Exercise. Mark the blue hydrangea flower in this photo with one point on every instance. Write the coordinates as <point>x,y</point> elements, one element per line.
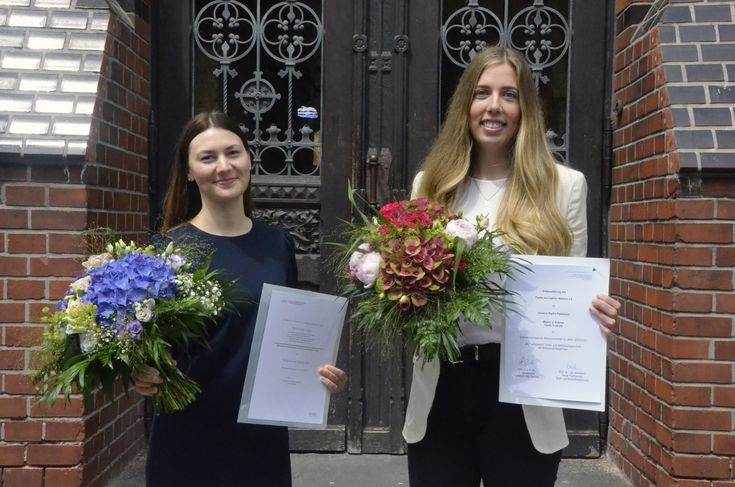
<point>133,278</point>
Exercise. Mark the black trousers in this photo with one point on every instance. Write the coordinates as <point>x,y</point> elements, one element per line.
<point>471,436</point>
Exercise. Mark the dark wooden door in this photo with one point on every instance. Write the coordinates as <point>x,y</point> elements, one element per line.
<point>336,90</point>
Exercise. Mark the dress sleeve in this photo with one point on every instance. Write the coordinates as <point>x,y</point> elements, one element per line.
<point>292,272</point>
<point>577,215</point>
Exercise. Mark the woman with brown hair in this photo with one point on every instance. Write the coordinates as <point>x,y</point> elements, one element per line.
<point>491,158</point>
<point>210,201</point>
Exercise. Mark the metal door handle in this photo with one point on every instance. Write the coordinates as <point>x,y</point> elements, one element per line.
<point>377,175</point>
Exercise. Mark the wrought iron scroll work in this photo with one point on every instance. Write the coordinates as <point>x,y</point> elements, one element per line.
<point>302,224</point>
<point>289,33</point>
<point>538,31</point>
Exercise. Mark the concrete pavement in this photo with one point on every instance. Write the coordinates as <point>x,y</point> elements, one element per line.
<point>343,470</point>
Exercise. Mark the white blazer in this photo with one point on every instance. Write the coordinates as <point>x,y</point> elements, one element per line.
<point>545,424</point>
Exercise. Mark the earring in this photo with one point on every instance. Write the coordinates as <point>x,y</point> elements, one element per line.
<point>190,179</point>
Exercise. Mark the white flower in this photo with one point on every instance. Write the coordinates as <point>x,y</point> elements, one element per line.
<point>87,342</point>
<point>367,271</point>
<point>463,229</point>
<point>365,265</point>
<point>143,314</point>
<point>358,256</point>
<point>74,303</point>
<point>175,262</point>
<point>95,261</point>
<point>81,285</point>
<point>144,310</point>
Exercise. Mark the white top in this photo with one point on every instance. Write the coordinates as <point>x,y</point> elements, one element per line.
<point>481,197</point>
<point>545,424</point>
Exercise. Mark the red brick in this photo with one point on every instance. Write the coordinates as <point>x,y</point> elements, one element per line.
<point>704,233</point>
<point>58,220</point>
<point>23,477</point>
<point>58,455</point>
<point>74,409</point>
<point>23,336</point>
<point>700,467</point>
<point>726,209</point>
<point>724,444</point>
<point>725,350</point>
<point>63,477</point>
<point>11,455</point>
<point>704,279</point>
<point>13,218</point>
<point>69,197</point>
<point>13,266</point>
<point>682,348</point>
<point>692,442</point>
<point>706,326</point>
<point>725,303</point>
<point>701,419</point>
<point>22,431</point>
<point>19,384</point>
<point>25,243</point>
<point>686,302</point>
<point>11,359</point>
<point>13,407</point>
<point>719,373</point>
<point>58,288</point>
<point>64,431</point>
<point>12,312</point>
<point>66,243</point>
<point>55,266</point>
<point>26,289</point>
<point>691,209</point>
<point>35,310</point>
<point>725,257</point>
<point>23,195</point>
<point>724,397</point>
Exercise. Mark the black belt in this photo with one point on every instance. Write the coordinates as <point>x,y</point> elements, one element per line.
<point>480,353</point>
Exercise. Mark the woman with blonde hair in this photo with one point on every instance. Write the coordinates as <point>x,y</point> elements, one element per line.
<point>491,157</point>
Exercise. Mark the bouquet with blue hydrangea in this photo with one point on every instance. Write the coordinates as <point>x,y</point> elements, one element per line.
<point>132,306</point>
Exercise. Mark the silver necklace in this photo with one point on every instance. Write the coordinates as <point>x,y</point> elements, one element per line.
<point>488,200</point>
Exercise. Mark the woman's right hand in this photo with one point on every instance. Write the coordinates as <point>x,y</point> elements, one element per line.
<point>146,380</point>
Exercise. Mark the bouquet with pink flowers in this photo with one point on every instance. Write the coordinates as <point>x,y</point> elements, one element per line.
<point>416,269</point>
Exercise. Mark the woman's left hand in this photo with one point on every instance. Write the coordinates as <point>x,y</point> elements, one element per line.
<point>605,309</point>
<point>333,378</point>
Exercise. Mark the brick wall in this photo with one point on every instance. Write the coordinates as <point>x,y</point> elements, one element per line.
<point>45,202</point>
<point>671,243</point>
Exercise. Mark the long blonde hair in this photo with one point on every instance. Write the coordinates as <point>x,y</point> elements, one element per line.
<point>528,214</point>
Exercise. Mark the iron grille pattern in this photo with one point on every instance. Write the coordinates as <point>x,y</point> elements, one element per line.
<point>277,41</point>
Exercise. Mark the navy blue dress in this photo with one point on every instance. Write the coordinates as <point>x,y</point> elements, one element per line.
<point>204,445</point>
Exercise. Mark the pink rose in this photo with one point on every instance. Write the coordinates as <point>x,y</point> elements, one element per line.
<point>463,229</point>
<point>365,265</point>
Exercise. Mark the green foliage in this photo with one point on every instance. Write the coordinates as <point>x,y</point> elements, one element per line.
<point>472,293</point>
<point>176,324</point>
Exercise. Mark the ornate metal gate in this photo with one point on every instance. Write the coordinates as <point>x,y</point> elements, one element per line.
<point>331,90</point>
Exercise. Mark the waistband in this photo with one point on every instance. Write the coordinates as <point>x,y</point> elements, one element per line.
<point>480,353</point>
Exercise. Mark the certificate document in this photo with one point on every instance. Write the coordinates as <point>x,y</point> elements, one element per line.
<point>554,353</point>
<point>296,332</point>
